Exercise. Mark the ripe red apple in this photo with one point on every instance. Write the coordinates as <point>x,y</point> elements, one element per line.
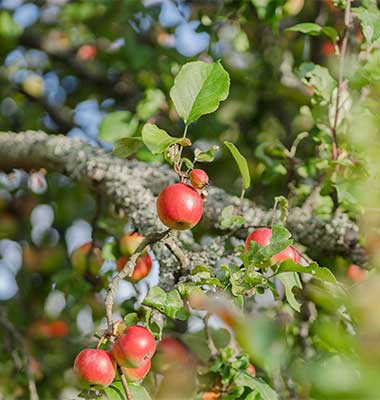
<point>179,206</point>
<point>129,243</point>
<point>355,273</point>
<point>79,259</point>
<point>328,48</point>
<point>262,236</point>
<point>86,52</point>
<point>136,374</point>
<point>170,354</point>
<point>142,267</point>
<point>58,328</point>
<point>95,366</point>
<point>198,178</point>
<point>135,346</point>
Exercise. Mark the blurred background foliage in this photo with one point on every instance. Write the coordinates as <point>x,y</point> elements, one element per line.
<point>68,66</point>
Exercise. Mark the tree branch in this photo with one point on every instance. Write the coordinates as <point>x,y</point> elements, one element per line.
<point>133,186</point>
<point>342,53</point>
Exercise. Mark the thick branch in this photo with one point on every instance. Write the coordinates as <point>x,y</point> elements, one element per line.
<point>133,186</point>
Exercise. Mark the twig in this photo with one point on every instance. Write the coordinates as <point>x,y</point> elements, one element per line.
<point>128,271</point>
<point>177,252</point>
<point>18,337</point>
<point>125,384</point>
<point>342,53</point>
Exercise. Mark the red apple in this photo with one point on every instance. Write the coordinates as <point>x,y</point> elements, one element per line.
<point>135,346</point>
<point>262,236</point>
<point>142,267</point>
<point>170,353</point>
<point>198,178</point>
<point>328,48</point>
<point>355,273</point>
<point>86,52</point>
<point>129,243</point>
<point>58,328</point>
<point>179,206</point>
<point>95,366</point>
<point>136,374</point>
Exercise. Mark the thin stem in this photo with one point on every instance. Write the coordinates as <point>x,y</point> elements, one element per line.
<point>125,384</point>
<point>128,271</point>
<point>210,341</point>
<point>342,53</point>
<point>178,164</point>
<point>28,358</point>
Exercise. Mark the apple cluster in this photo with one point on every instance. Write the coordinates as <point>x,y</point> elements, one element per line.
<point>180,206</point>
<point>132,351</point>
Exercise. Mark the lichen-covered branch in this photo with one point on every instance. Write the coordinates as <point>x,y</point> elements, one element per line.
<point>133,186</point>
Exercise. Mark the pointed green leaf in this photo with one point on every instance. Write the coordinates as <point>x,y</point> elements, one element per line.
<point>321,273</point>
<point>291,280</point>
<point>124,147</point>
<point>241,162</point>
<point>198,89</point>
<point>157,140</point>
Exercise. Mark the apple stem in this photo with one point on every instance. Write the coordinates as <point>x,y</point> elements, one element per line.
<point>125,384</point>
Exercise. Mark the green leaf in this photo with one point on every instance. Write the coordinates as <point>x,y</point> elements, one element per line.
<point>116,392</point>
<point>370,21</point>
<point>310,28</point>
<point>156,298</point>
<point>229,220</point>
<point>319,78</point>
<point>150,104</point>
<point>131,319</point>
<point>124,147</point>
<point>198,89</point>
<point>117,125</point>
<point>221,337</point>
<point>306,27</point>
<point>157,140</point>
<point>291,280</point>
<point>173,304</point>
<point>205,156</point>
<point>266,392</point>
<point>242,164</point>
<point>321,273</point>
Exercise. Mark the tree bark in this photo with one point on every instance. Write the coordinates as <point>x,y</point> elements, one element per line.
<point>133,186</point>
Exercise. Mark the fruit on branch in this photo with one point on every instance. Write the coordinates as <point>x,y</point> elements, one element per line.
<point>79,259</point>
<point>95,366</point>
<point>129,243</point>
<point>136,374</point>
<point>355,273</point>
<point>170,354</point>
<point>262,236</point>
<point>134,347</point>
<point>141,270</point>
<point>179,206</point>
<point>119,327</point>
<point>198,178</point>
